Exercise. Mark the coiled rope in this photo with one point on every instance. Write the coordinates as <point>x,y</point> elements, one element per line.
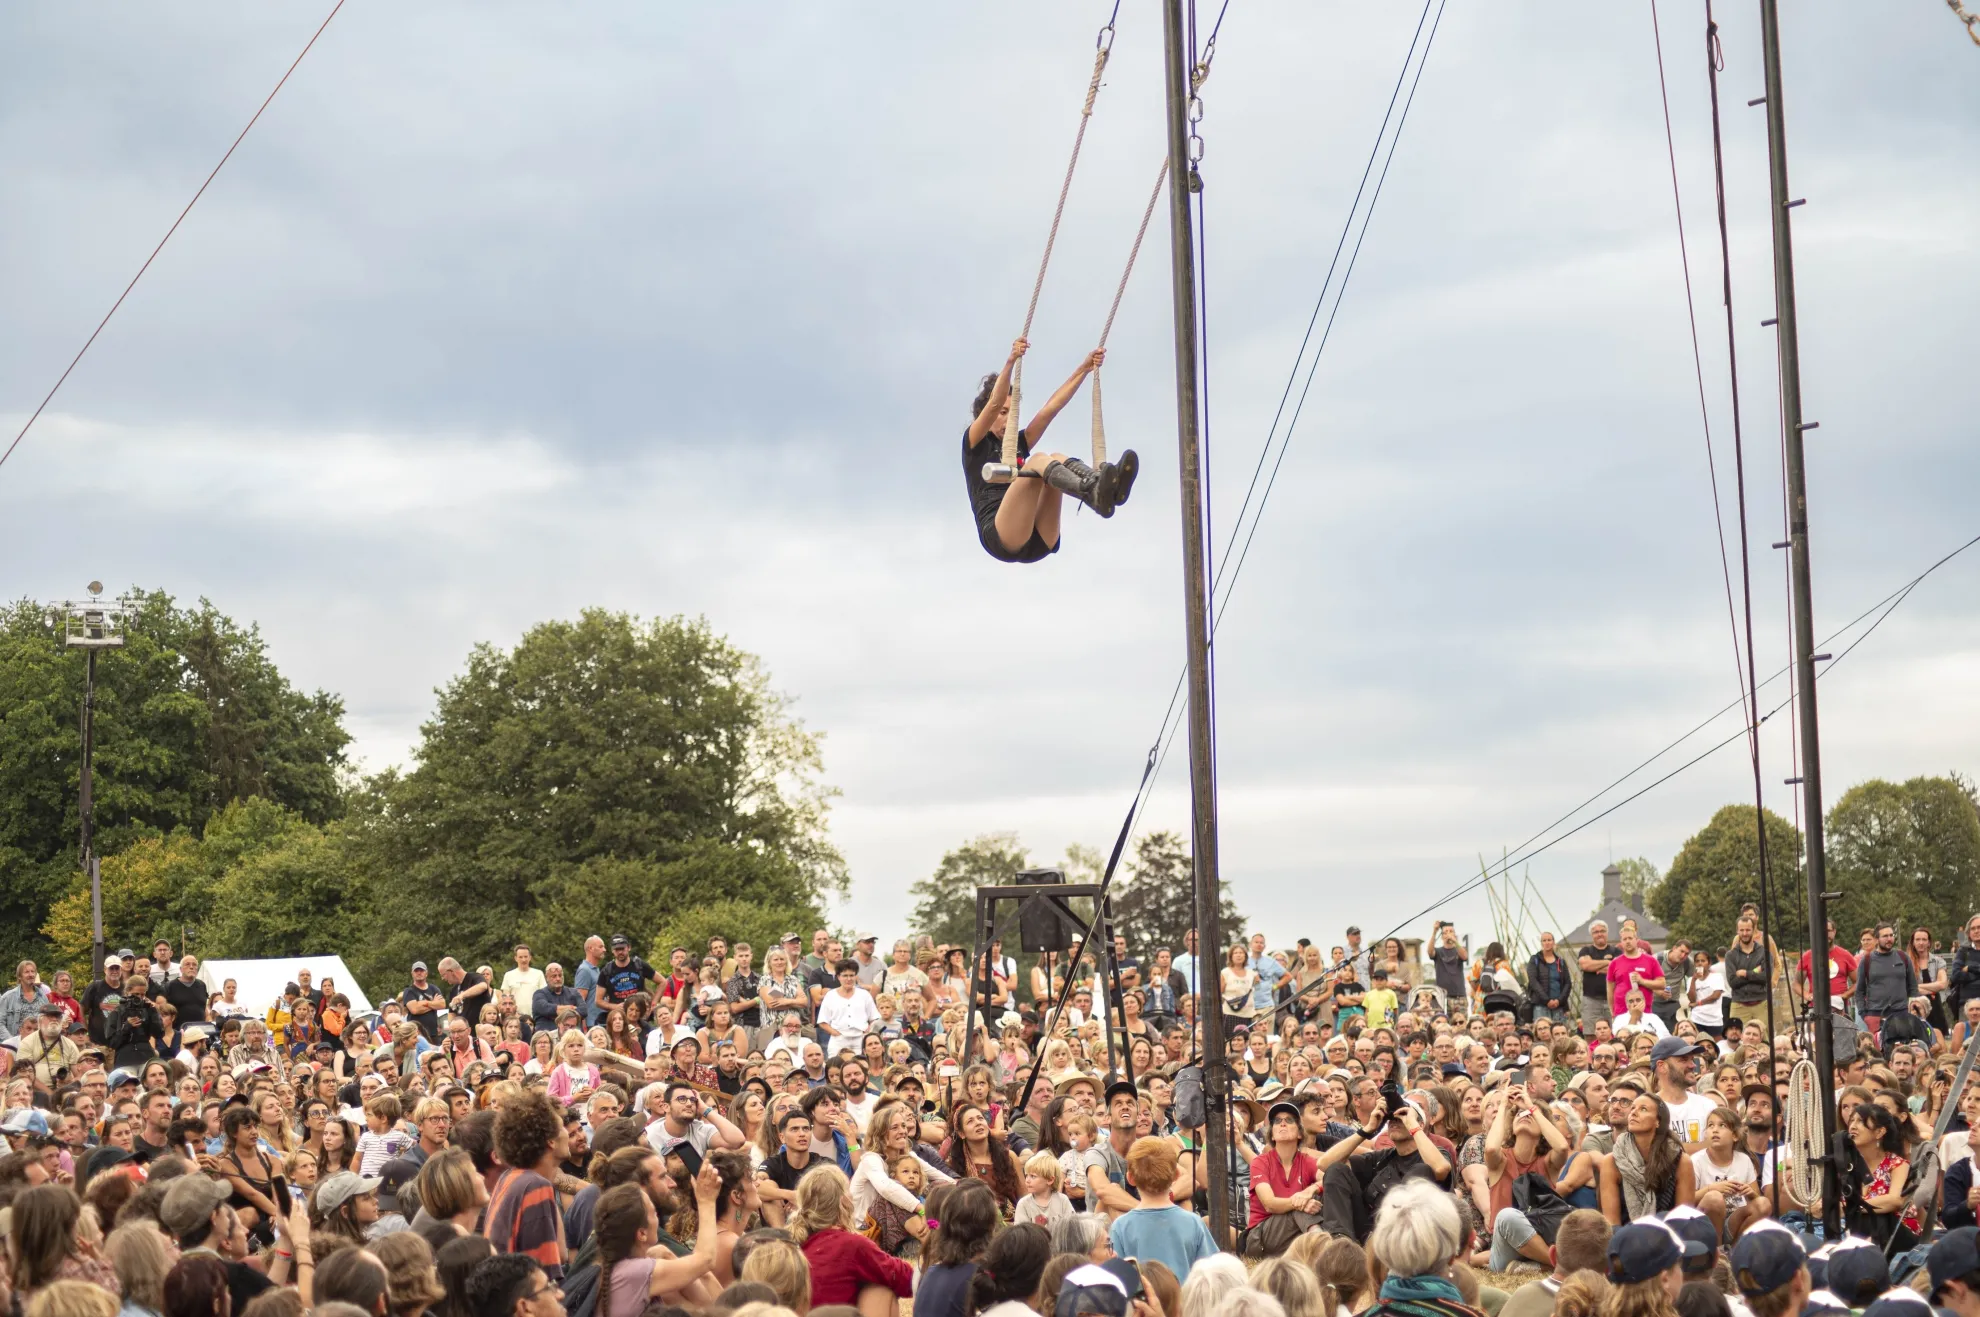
<point>1804,1133</point>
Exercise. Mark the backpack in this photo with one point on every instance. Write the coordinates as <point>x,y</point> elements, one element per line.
<point>1191,1111</point>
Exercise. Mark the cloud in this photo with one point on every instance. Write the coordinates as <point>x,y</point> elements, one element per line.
<point>503,312</point>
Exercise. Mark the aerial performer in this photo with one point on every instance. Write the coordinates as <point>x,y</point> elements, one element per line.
<point>1018,520</point>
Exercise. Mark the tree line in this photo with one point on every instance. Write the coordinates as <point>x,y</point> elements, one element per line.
<point>604,774</point>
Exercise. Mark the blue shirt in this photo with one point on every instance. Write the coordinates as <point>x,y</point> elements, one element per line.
<point>586,982</point>
<point>1269,972</point>
<point>1171,1235</point>
<point>1185,965</point>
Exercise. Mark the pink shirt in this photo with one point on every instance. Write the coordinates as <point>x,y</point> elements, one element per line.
<point>1643,964</point>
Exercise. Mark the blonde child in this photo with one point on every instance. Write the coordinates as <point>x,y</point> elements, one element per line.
<point>382,1139</point>
<point>1043,1204</point>
<point>901,1230</point>
<point>1082,1132</point>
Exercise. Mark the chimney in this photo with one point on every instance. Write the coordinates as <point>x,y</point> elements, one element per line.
<point>1611,885</point>
<point>1636,903</point>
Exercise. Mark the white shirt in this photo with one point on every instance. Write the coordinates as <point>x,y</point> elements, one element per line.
<point>1704,1172</point>
<point>522,985</point>
<point>1688,1120</point>
<point>849,1016</point>
<point>870,1182</point>
<point>1712,1013</point>
<point>1649,1024</point>
<point>790,1046</point>
<point>861,1110</point>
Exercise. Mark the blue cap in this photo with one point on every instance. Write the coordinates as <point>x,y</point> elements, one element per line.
<point>1857,1272</point>
<point>1767,1257</point>
<point>1818,1267</point>
<point>1695,1229</point>
<point>1643,1250</point>
<point>1666,1048</point>
<point>121,1076</point>
<point>1900,1303</point>
<point>1821,1303</point>
<point>1957,1254</point>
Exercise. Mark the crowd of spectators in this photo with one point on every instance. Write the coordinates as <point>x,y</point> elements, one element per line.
<point>822,1129</point>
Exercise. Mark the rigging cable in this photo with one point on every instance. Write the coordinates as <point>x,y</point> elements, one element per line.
<point>77,359</point>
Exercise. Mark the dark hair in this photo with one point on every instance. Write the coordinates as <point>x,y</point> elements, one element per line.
<point>984,388</point>
<point>453,1262</point>
<point>610,1139</point>
<point>196,1286</point>
<point>1003,1177</point>
<point>1701,1298</point>
<point>1890,1135</point>
<point>742,1292</point>
<point>1011,1267</point>
<point>968,1219</point>
<point>496,1283</point>
<point>351,1275</point>
<point>474,1134</point>
<point>525,1129</point>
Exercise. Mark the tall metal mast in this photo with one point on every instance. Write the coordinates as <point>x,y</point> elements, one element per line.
<point>1196,602</point>
<point>1789,349</point>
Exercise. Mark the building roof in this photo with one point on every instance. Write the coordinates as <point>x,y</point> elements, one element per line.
<point>1614,910</point>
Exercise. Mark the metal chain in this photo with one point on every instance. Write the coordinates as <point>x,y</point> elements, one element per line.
<point>1968,17</point>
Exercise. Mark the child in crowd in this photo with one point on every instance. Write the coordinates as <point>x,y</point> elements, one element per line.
<point>1082,1132</point>
<point>1727,1182</point>
<point>1043,1204</point>
<point>900,1230</point>
<point>382,1139</point>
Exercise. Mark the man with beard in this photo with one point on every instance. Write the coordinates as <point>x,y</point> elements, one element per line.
<point>1758,1140</point>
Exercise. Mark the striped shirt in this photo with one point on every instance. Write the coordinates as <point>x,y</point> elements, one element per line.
<point>523,1218</point>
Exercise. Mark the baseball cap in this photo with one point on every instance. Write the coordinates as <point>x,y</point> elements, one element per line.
<point>1353,929</point>
<point>621,940</point>
<point>1666,1048</point>
<point>1091,1289</point>
<point>191,1200</point>
<point>867,937</point>
<point>120,1077</point>
<point>391,1176</point>
<point>419,967</point>
<point>1900,1302</point>
<point>1644,1249</point>
<point>1767,1257</point>
<point>1954,1257</point>
<point>333,1191</point>
<point>127,954</point>
<point>1857,1273</point>
<point>1693,1226</point>
<point>1120,1086</point>
<point>51,1008</point>
<point>1272,1113</point>
<point>24,1120</point>
<point>790,937</point>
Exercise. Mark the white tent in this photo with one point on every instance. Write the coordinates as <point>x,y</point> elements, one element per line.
<point>258,984</point>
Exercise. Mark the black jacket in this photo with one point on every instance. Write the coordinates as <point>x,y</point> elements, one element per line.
<point>135,1032</point>
<point>1545,983</point>
<point>1963,981</point>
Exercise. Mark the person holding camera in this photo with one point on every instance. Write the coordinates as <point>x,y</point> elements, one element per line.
<point>135,1031</point>
<point>1401,1149</point>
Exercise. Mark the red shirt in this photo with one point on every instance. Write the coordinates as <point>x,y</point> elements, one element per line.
<point>1842,971</point>
<point>842,1263</point>
<point>1283,1180</point>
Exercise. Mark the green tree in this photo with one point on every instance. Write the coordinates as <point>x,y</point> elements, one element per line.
<point>1718,869</point>
<point>738,921</point>
<point>1909,853</point>
<point>945,901</point>
<point>191,714</point>
<point>606,773</point>
<point>1638,877</point>
<point>1154,901</point>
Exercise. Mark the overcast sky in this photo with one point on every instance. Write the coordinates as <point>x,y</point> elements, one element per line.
<point>503,311</point>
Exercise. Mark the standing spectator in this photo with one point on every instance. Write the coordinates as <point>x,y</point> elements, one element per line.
<point>1932,975</point>
<point>1547,982</point>
<point>1633,966</point>
<point>468,991</point>
<point>1675,966</point>
<point>1448,959</point>
<point>1594,961</point>
<point>871,968</point>
<point>100,997</point>
<point>187,994</point>
<point>1188,968</point>
<point>1842,974</point>
<point>744,991</point>
<point>1357,959</point>
<point>1748,971</point>
<point>1705,995</point>
<point>585,980</point>
<point>21,1004</point>
<point>624,974</point>
<point>554,996</point>
<point>524,981</point>
<point>1885,982</point>
<point>424,1003</point>
<point>846,1011</point>
<point>1265,965</point>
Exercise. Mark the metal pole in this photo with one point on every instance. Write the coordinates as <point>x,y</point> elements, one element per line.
<point>1196,602</point>
<point>1788,347</point>
<point>88,809</point>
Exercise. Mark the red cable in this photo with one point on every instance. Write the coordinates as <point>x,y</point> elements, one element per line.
<point>162,241</point>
